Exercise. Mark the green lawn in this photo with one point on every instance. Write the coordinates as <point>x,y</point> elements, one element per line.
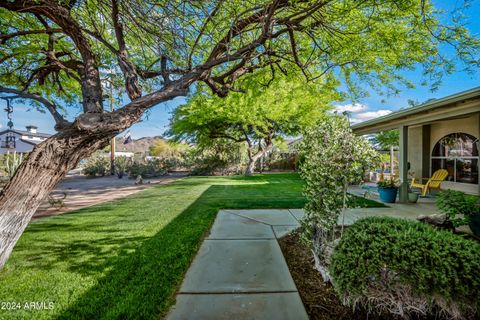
<point>125,259</point>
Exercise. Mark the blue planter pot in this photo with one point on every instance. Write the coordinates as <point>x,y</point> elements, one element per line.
<point>388,195</point>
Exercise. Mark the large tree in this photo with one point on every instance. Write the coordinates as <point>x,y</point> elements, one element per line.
<point>260,113</point>
<point>56,53</point>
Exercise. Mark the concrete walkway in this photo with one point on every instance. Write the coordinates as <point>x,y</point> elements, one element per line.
<point>239,271</point>
<point>410,211</point>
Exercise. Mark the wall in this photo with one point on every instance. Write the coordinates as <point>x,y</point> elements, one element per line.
<point>20,146</point>
<point>438,130</point>
<point>470,125</point>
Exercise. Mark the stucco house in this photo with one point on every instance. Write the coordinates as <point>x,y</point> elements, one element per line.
<point>21,140</point>
<point>439,134</point>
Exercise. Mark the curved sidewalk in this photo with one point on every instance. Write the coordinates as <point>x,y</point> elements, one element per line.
<point>240,272</point>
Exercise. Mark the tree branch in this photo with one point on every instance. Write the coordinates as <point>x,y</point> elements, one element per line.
<point>91,86</point>
<point>6,36</point>
<point>202,30</point>
<point>130,74</point>
<point>60,122</point>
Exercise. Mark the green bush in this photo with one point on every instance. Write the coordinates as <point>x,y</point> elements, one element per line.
<point>388,184</point>
<point>218,159</point>
<point>282,161</point>
<point>458,206</point>
<point>149,169</point>
<point>97,165</point>
<point>121,166</point>
<point>405,267</point>
<point>206,165</point>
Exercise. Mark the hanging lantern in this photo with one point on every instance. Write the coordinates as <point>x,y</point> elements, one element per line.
<point>9,110</point>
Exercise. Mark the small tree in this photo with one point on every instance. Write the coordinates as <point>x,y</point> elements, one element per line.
<point>386,139</point>
<point>256,117</point>
<point>168,149</point>
<point>332,158</point>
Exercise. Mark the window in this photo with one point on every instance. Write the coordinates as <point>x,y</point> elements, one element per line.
<point>458,154</point>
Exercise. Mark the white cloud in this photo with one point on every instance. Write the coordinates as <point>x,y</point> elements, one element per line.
<point>358,112</point>
<point>355,107</point>
<point>364,116</point>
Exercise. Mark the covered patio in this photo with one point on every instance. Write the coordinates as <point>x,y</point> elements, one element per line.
<point>439,134</point>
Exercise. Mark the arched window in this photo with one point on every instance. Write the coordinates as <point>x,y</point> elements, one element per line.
<point>458,154</point>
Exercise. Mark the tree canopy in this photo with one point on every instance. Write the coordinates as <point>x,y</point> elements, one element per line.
<point>386,139</point>
<point>166,148</point>
<point>257,115</point>
<point>57,52</point>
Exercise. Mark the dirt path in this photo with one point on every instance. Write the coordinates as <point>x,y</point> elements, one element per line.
<point>83,192</point>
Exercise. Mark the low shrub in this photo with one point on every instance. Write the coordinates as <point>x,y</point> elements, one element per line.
<point>149,169</point>
<point>284,161</point>
<point>408,269</point>
<point>458,206</point>
<point>172,163</point>
<point>96,165</point>
<point>218,159</point>
<point>121,166</point>
<point>215,165</point>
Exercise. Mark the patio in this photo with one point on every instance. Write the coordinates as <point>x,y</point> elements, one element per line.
<point>438,134</point>
<point>411,211</point>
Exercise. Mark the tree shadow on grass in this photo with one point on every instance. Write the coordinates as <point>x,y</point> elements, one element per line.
<point>141,284</point>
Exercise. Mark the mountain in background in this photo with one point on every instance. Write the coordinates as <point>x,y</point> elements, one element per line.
<point>137,146</point>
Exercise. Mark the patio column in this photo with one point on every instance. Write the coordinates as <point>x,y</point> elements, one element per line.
<point>403,164</point>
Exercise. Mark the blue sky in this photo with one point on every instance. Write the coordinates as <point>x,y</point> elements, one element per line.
<point>156,121</point>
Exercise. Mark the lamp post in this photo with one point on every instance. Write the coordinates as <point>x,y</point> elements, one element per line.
<point>109,87</point>
<point>112,142</point>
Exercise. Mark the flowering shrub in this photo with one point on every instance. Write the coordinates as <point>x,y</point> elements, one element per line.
<point>332,157</point>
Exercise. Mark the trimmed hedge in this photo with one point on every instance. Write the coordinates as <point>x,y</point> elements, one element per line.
<point>383,254</point>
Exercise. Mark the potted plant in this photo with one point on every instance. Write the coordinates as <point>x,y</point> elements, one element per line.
<point>387,190</point>
<point>412,196</point>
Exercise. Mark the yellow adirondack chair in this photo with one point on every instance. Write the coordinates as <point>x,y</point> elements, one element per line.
<point>433,183</point>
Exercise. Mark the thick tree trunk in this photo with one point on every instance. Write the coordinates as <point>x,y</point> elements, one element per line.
<point>46,165</point>
<point>253,158</point>
<point>250,167</point>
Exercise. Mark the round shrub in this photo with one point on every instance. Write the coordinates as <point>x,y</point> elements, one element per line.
<point>97,165</point>
<point>407,268</point>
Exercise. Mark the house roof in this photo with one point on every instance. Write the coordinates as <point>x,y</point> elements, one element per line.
<point>27,133</point>
<point>32,142</point>
<point>456,105</point>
